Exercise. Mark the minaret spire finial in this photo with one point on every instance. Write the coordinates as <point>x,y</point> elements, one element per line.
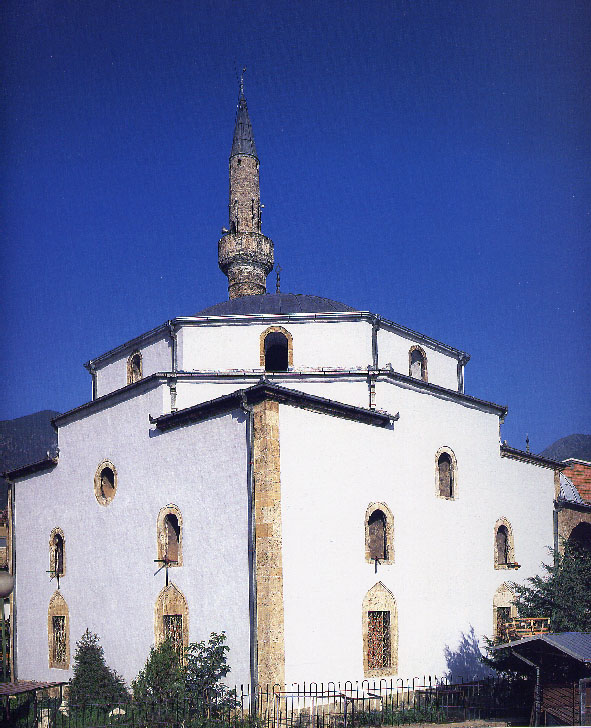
<point>245,255</point>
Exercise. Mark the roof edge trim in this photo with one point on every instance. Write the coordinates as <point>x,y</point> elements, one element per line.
<point>515,454</point>
<point>265,390</point>
<point>37,466</point>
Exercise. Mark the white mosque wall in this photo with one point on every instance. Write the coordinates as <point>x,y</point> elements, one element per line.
<point>443,575</point>
<point>156,357</point>
<point>394,349</point>
<point>110,584</point>
<point>316,344</point>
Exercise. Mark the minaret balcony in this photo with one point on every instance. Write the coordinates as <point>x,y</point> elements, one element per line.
<point>245,247</point>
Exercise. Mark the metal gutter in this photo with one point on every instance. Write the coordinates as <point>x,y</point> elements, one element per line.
<point>131,344</point>
<point>118,394</point>
<point>515,454</point>
<point>36,467</point>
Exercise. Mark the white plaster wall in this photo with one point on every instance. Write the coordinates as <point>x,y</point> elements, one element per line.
<point>393,348</point>
<point>315,344</point>
<point>110,586</point>
<point>443,577</point>
<point>156,357</point>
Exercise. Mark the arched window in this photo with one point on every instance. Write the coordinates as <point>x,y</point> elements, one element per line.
<point>503,610</point>
<point>105,482</point>
<point>57,560</point>
<point>171,619</point>
<point>446,473</point>
<point>380,632</point>
<point>169,527</point>
<point>379,534</point>
<point>58,632</point>
<point>581,536</point>
<point>276,349</point>
<point>134,367</point>
<point>417,363</point>
<point>504,551</point>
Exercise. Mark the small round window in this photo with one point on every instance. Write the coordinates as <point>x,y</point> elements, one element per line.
<point>105,483</point>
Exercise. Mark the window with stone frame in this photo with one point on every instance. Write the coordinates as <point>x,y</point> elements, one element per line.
<point>58,632</point>
<point>379,534</point>
<point>134,367</point>
<point>380,632</point>
<point>504,609</point>
<point>276,349</point>
<point>446,472</point>
<point>170,535</point>
<point>417,363</point>
<point>171,619</point>
<point>504,550</point>
<point>105,482</point>
<point>379,653</point>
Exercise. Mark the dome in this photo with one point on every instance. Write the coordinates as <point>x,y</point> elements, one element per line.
<point>274,303</point>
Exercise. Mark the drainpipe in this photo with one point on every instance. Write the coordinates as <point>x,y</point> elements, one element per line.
<point>374,341</point>
<point>12,570</point>
<point>537,695</point>
<point>173,334</point>
<point>92,371</point>
<point>555,529</point>
<point>252,584</point>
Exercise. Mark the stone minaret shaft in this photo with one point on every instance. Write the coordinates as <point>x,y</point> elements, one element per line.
<point>245,255</point>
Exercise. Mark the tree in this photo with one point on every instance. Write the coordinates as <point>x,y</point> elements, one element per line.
<point>563,593</point>
<point>207,666</point>
<point>93,680</point>
<point>162,678</point>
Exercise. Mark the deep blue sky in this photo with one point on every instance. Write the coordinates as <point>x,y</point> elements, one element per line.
<point>426,160</point>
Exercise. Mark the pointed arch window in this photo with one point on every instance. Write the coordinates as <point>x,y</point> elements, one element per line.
<point>58,632</point>
<point>446,472</point>
<point>134,367</point>
<point>504,610</point>
<point>380,632</point>
<point>504,550</point>
<point>170,536</point>
<point>417,363</point>
<point>379,534</point>
<point>276,348</point>
<point>171,619</point>
<point>57,555</point>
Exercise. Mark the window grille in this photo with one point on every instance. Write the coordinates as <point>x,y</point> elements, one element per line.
<point>173,631</point>
<point>503,617</point>
<point>59,640</point>
<point>378,643</point>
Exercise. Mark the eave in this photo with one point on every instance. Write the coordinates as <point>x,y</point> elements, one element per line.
<point>528,457</point>
<point>31,468</point>
<point>276,393</point>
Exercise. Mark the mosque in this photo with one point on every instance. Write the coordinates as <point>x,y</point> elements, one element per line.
<point>310,478</point>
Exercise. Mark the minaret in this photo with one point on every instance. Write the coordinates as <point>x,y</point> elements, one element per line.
<point>244,254</point>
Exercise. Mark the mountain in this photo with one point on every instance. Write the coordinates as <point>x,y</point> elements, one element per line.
<point>24,440</point>
<point>571,446</point>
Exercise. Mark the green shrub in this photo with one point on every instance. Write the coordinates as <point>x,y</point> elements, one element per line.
<point>94,681</point>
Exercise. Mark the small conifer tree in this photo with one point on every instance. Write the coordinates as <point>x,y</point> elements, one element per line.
<point>94,681</point>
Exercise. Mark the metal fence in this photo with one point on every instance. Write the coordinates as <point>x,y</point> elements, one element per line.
<point>309,705</point>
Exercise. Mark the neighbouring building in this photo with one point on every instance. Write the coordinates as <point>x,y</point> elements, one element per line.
<point>310,478</point>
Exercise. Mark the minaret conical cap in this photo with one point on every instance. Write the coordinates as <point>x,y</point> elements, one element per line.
<point>243,142</point>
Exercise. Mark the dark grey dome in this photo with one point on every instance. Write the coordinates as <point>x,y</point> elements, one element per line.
<point>274,303</point>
